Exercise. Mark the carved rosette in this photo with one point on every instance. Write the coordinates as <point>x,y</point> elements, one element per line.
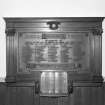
<point>97,31</point>
<point>10,32</point>
<point>53,25</point>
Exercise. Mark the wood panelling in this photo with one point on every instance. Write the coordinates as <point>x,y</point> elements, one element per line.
<point>20,88</point>
<point>46,19</point>
<point>11,96</point>
<point>20,96</point>
<point>98,49</point>
<point>10,56</point>
<point>103,91</point>
<point>48,101</point>
<point>25,95</point>
<point>3,92</point>
<point>45,25</point>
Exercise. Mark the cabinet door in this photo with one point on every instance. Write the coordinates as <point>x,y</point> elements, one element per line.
<point>25,96</point>
<point>11,96</point>
<point>20,96</point>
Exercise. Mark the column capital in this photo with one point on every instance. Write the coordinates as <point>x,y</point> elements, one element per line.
<point>97,31</point>
<point>10,32</point>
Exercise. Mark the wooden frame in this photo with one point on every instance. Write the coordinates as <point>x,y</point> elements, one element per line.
<point>92,26</point>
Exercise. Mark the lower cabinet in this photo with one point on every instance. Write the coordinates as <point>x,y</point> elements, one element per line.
<point>25,95</point>
<point>3,93</point>
<point>20,95</point>
<point>80,96</point>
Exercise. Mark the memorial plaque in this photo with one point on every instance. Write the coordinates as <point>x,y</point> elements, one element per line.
<point>53,51</point>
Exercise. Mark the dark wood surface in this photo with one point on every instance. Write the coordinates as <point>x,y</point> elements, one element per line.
<point>3,93</point>
<point>24,94</point>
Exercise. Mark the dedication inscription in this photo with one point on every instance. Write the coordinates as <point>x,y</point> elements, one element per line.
<point>53,51</point>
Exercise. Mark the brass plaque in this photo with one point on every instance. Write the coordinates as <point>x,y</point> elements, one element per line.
<point>54,83</point>
<point>53,51</point>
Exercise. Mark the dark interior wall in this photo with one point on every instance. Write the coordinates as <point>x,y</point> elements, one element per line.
<point>81,95</point>
<point>3,89</point>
